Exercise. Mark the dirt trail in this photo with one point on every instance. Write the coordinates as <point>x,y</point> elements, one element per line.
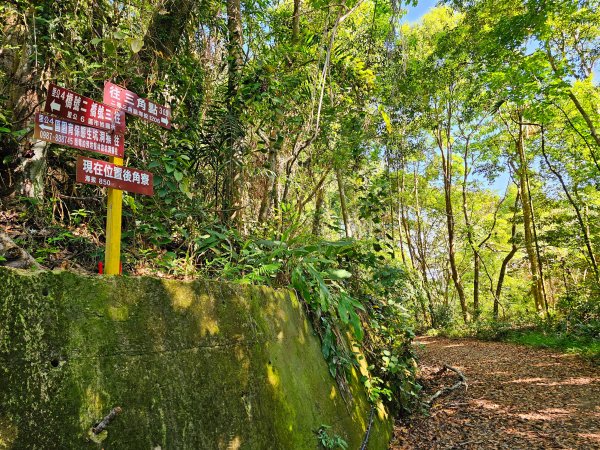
<point>517,398</point>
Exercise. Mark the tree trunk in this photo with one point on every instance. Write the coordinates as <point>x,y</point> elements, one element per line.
<point>476,257</point>
<point>400,190</point>
<point>421,258</point>
<point>267,194</point>
<point>446,155</point>
<point>25,170</point>
<point>586,117</point>
<point>296,22</point>
<point>476,267</point>
<point>507,258</point>
<point>528,218</point>
<point>165,30</point>
<point>342,193</point>
<point>232,184</point>
<point>318,216</point>
<point>391,205</point>
<point>404,220</point>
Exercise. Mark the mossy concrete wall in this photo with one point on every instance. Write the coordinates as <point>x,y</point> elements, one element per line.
<point>193,365</point>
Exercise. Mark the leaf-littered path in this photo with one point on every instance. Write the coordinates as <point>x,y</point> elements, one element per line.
<point>517,398</point>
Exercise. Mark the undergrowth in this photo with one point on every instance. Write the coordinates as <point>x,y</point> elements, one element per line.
<point>584,346</point>
<point>543,333</point>
<point>361,301</point>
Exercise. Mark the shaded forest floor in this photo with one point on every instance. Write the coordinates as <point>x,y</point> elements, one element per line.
<point>517,398</point>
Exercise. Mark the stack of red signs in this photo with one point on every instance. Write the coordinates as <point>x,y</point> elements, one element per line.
<point>76,121</point>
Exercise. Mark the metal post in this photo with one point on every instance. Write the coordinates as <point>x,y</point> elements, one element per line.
<point>113,227</point>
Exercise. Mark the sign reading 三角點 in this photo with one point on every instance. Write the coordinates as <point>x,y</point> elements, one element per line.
<point>52,129</point>
<point>105,174</point>
<point>131,103</point>
<point>83,110</point>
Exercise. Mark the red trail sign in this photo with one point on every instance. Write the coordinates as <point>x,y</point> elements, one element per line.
<point>85,111</point>
<point>51,129</point>
<point>131,103</point>
<point>105,174</point>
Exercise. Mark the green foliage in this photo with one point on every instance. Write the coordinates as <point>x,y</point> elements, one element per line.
<point>585,346</point>
<point>351,295</point>
<point>339,156</point>
<point>581,338</point>
<point>327,441</point>
<point>443,315</point>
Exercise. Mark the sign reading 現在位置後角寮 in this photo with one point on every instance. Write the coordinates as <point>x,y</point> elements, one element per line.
<point>105,174</point>
<point>69,105</point>
<point>52,129</point>
<point>131,103</point>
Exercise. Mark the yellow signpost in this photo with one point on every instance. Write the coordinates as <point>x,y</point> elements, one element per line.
<point>124,100</point>
<point>77,121</point>
<point>113,227</point>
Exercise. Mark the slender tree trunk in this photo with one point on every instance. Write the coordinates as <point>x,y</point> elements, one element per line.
<point>446,155</point>
<point>507,258</point>
<point>272,165</point>
<point>476,269</point>
<point>580,134</point>
<point>404,219</point>
<point>586,118</point>
<point>267,195</point>
<point>537,247</point>
<point>340,183</point>
<point>528,218</point>
<point>296,22</point>
<point>302,203</point>
<point>318,216</point>
<point>421,251</point>
<point>391,205</point>
<point>476,257</point>
<point>232,189</point>
<point>400,190</point>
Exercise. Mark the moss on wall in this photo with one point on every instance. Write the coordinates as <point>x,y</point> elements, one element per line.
<point>193,365</point>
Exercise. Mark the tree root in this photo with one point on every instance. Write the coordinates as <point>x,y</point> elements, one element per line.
<point>448,389</point>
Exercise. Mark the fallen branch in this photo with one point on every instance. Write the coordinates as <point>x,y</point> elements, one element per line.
<point>97,429</point>
<point>448,389</point>
<point>365,441</point>
<point>14,256</point>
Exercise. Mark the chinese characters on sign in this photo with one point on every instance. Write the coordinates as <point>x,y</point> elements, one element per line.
<point>130,102</point>
<point>85,111</point>
<point>105,174</point>
<point>76,121</point>
<point>51,129</point>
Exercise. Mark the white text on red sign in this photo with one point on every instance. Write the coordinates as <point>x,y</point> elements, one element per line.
<point>131,103</point>
<point>77,108</point>
<point>51,129</point>
<point>102,173</point>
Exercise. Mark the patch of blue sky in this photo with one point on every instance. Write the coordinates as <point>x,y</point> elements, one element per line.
<point>414,13</point>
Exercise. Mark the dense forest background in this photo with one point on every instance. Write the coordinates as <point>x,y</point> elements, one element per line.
<point>440,174</point>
